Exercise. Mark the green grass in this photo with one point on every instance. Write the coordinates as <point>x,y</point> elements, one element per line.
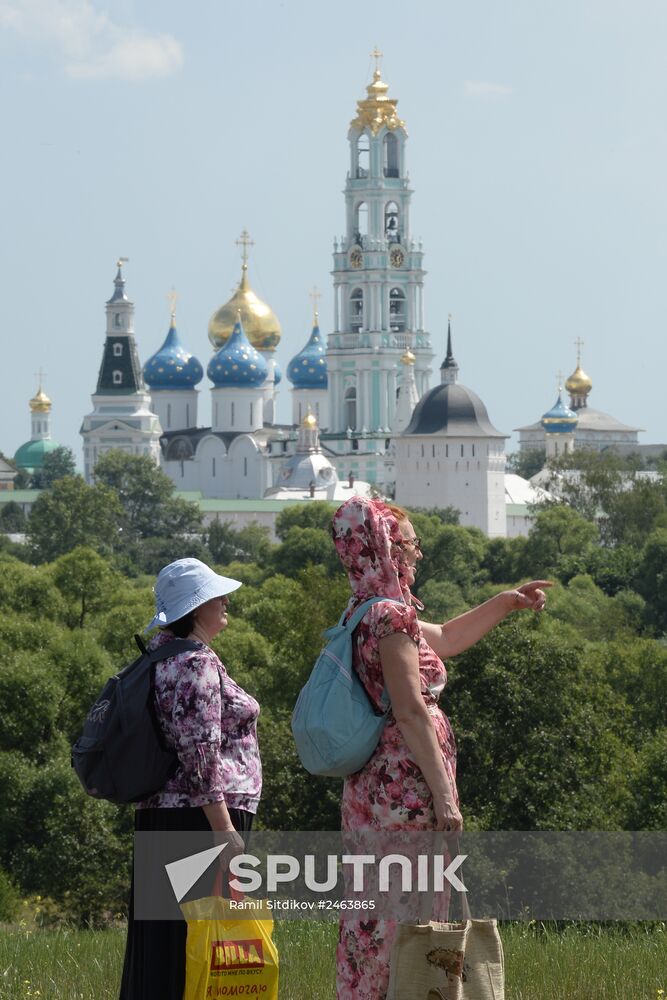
<point>541,965</point>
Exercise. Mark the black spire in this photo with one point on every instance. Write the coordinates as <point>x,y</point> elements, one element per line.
<point>449,368</point>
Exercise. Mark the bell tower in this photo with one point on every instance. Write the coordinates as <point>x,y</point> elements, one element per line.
<point>378,287</point>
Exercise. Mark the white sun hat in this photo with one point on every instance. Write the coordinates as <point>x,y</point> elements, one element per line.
<point>182,586</point>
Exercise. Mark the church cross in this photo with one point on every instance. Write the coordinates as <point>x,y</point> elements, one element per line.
<point>245,242</point>
<point>40,375</point>
<point>315,296</point>
<point>579,343</point>
<point>377,55</point>
<point>172,298</point>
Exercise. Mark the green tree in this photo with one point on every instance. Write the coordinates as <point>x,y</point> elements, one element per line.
<point>228,544</point>
<point>146,496</point>
<point>652,578</point>
<point>557,532</point>
<point>313,514</point>
<point>526,463</point>
<point>86,581</point>
<point>455,555</point>
<point>56,465</point>
<point>306,546</point>
<point>12,518</point>
<point>537,729</point>
<point>70,514</point>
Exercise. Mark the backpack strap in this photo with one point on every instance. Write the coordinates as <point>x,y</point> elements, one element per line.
<point>354,620</point>
<point>357,615</point>
<point>172,648</point>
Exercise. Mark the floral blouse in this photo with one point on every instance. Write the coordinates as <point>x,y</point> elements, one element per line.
<point>211,723</point>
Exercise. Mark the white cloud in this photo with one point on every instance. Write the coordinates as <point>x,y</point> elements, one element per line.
<point>486,91</point>
<point>92,45</point>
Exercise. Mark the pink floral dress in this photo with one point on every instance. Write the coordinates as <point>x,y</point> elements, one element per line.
<point>390,792</point>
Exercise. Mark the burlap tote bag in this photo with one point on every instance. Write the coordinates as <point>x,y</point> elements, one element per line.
<point>434,960</point>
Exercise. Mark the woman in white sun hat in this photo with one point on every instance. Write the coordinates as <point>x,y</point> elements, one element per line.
<point>211,723</point>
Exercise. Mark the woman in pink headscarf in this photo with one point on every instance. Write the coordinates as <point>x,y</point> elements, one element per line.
<point>410,781</point>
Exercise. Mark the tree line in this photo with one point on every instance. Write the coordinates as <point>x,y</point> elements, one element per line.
<point>561,719</point>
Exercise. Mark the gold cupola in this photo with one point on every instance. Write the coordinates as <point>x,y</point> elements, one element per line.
<point>259,321</point>
<point>40,402</point>
<point>408,358</point>
<point>377,110</point>
<point>309,421</point>
<point>578,384</point>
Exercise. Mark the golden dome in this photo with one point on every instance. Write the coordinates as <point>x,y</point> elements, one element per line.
<point>309,421</point>
<point>408,358</point>
<point>578,384</point>
<point>260,323</point>
<point>378,110</point>
<point>41,402</point>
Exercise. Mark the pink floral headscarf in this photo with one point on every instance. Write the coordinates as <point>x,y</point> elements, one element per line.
<point>366,535</point>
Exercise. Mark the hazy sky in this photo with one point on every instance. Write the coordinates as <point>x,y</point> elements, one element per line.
<point>159,130</point>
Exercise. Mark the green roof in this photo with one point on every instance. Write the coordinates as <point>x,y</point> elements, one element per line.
<point>19,496</point>
<point>30,455</point>
<point>210,505</point>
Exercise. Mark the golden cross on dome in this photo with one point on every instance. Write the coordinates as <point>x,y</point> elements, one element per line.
<point>40,375</point>
<point>377,55</point>
<point>172,298</point>
<point>245,242</point>
<point>315,296</point>
<point>579,343</point>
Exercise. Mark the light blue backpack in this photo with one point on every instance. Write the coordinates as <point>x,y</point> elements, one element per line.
<point>335,726</point>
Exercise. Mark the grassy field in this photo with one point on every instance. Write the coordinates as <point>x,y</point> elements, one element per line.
<point>541,965</point>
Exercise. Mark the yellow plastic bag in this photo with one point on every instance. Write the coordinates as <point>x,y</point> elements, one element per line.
<point>229,956</point>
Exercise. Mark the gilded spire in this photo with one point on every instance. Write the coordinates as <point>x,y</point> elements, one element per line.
<point>377,110</point>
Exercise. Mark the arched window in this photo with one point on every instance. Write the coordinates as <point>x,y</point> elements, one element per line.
<point>117,378</point>
<point>397,323</point>
<point>351,408</point>
<point>390,155</point>
<point>117,350</point>
<point>116,321</point>
<point>391,222</point>
<point>363,155</point>
<point>356,310</point>
<point>361,222</point>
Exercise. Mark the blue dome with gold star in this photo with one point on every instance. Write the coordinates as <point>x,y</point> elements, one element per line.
<point>560,419</point>
<point>308,369</point>
<point>173,367</point>
<point>237,363</point>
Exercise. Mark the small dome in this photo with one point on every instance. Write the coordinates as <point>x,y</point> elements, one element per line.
<point>237,363</point>
<point>578,384</point>
<point>259,321</point>
<point>560,419</point>
<point>173,367</point>
<point>308,368</point>
<point>451,409</point>
<point>30,456</point>
<point>309,421</point>
<point>408,358</point>
<point>40,402</point>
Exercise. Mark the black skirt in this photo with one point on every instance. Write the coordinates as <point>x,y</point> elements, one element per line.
<point>154,966</point>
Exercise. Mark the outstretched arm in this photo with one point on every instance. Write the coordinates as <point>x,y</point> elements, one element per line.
<point>460,633</point>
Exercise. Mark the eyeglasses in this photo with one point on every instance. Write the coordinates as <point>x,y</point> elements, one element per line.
<point>414,542</point>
